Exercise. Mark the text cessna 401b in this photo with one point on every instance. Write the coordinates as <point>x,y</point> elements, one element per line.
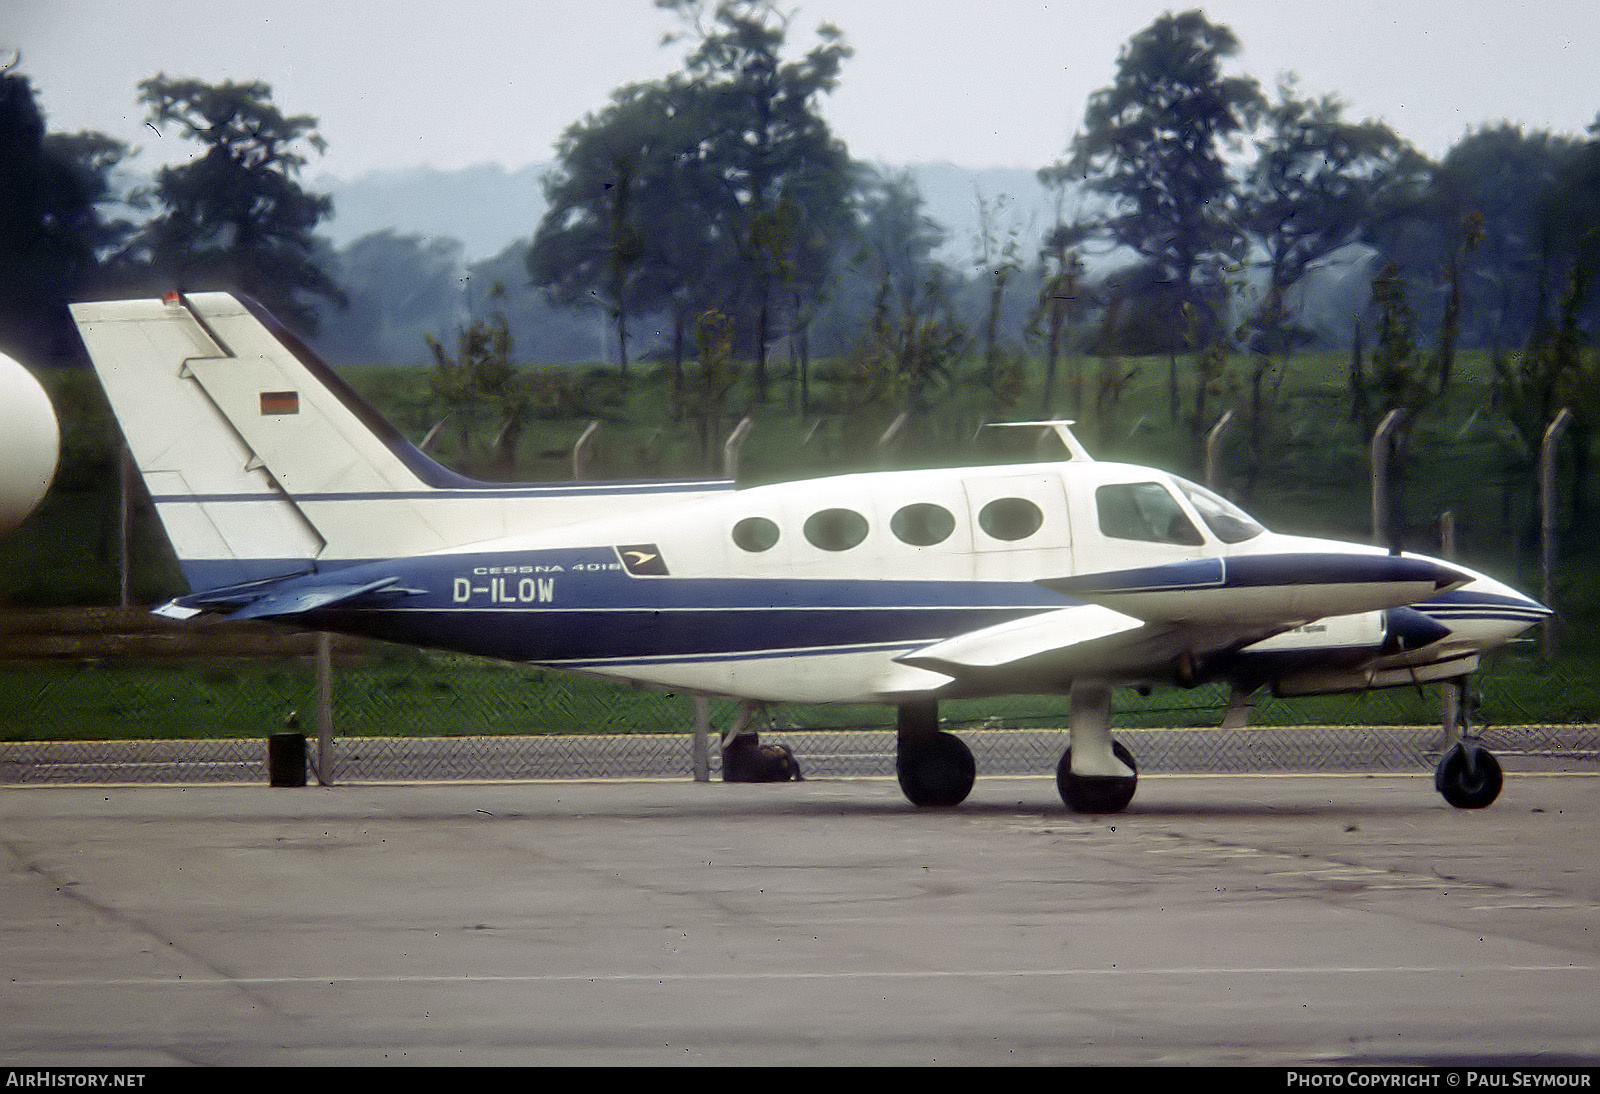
<point>287,498</point>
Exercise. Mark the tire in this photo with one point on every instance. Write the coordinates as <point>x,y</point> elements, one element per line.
<point>1097,793</point>
<point>936,771</point>
<point>1469,777</point>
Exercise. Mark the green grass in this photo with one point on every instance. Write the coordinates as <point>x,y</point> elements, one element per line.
<point>407,694</point>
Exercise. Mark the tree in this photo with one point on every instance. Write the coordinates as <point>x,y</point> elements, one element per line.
<point>785,180</point>
<point>909,351</point>
<point>1155,142</point>
<point>1313,188</point>
<point>1573,205</point>
<point>999,260</point>
<point>398,288</point>
<point>1398,375</point>
<point>1481,236</point>
<point>1062,295</point>
<point>896,237</point>
<point>482,375</point>
<point>704,395</point>
<point>236,218</point>
<point>618,172</point>
<point>54,228</point>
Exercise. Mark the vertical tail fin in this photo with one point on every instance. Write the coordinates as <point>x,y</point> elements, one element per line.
<point>237,435</point>
<point>262,463</point>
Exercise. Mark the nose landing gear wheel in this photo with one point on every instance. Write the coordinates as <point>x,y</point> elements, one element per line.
<point>1468,776</point>
<point>1097,793</point>
<point>936,770</point>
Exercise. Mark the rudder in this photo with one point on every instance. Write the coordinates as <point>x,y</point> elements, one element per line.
<point>232,432</point>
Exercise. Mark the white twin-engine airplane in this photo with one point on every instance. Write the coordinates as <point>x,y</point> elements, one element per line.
<point>287,498</point>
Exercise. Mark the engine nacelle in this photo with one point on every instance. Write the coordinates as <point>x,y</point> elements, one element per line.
<point>30,443</point>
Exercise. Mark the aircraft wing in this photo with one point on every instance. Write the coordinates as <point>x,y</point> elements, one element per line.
<point>1142,620</point>
<point>1084,640</point>
<point>1276,590</point>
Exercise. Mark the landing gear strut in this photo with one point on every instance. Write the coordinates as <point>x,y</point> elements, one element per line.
<point>935,768</point>
<point>1468,775</point>
<point>1096,774</point>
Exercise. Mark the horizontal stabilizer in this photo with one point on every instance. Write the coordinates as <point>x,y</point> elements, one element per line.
<point>1267,589</point>
<point>275,598</point>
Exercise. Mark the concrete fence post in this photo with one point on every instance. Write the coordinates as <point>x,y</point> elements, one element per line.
<point>325,758</point>
<point>1214,439</point>
<point>1548,507</point>
<point>581,450</point>
<point>734,448</point>
<point>1383,445</point>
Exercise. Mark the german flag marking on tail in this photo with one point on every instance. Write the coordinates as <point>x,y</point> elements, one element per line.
<point>280,402</point>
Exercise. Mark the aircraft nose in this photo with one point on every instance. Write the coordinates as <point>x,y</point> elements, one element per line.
<point>1486,612</point>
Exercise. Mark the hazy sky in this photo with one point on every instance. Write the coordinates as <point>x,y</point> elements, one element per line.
<point>450,83</point>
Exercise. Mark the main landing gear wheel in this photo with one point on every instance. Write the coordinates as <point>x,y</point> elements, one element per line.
<point>1097,793</point>
<point>935,770</point>
<point>1468,776</point>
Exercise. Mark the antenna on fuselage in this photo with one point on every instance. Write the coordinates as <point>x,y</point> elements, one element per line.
<point>1061,428</point>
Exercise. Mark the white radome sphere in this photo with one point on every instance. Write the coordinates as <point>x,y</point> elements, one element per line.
<point>30,443</point>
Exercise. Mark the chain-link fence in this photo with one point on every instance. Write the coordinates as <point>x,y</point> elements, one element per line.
<point>821,754</point>
<point>114,696</point>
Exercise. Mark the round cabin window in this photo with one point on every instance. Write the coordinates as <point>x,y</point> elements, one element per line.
<point>755,534</point>
<point>836,529</point>
<point>1010,519</point>
<point>922,524</point>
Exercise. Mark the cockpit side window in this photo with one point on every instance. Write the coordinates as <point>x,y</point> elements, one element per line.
<point>1226,520</point>
<point>1144,511</point>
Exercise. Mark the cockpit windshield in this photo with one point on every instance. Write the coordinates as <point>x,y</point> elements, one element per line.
<point>1226,520</point>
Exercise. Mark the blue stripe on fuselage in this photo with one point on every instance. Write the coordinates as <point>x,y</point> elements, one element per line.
<point>582,604</point>
<point>551,635</point>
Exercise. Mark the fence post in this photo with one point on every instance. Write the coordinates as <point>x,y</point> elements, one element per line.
<point>1547,524</point>
<point>1214,439</point>
<point>1450,691</point>
<point>580,452</point>
<point>125,527</point>
<point>324,709</point>
<point>702,739</point>
<point>1382,503</point>
<point>734,447</point>
<point>892,434</point>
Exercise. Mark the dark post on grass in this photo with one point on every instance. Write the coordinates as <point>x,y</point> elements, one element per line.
<point>1547,523</point>
<point>286,759</point>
